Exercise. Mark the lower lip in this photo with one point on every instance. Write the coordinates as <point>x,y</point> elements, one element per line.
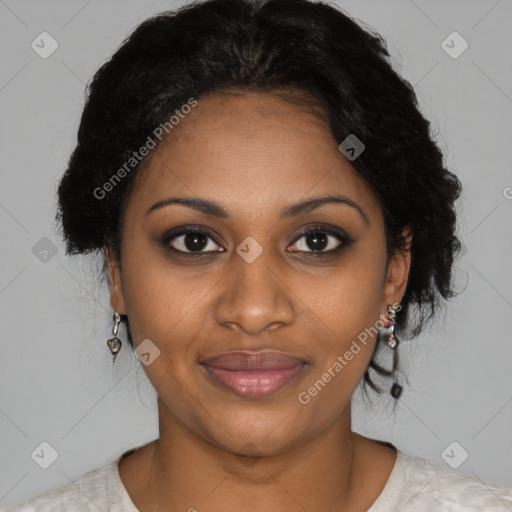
<point>254,384</point>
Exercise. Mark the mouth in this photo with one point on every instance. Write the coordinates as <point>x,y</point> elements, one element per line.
<point>254,374</point>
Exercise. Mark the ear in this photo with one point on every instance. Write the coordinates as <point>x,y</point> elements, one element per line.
<point>397,274</point>
<point>114,282</point>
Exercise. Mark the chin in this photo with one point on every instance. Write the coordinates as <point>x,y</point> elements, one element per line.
<point>255,433</point>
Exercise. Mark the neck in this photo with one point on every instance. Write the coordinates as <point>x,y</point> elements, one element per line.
<point>186,471</point>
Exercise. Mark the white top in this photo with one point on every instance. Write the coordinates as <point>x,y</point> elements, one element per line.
<point>415,484</point>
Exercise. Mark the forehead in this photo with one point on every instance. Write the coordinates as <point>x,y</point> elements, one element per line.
<point>251,150</point>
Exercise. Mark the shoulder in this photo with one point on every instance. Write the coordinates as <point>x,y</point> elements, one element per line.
<point>88,492</point>
<point>428,484</point>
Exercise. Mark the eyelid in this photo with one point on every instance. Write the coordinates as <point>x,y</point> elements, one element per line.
<point>344,239</point>
<point>173,234</point>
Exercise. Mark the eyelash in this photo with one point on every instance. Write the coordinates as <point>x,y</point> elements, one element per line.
<point>345,241</point>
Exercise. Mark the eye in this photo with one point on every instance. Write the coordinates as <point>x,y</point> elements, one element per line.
<point>320,241</point>
<point>316,241</point>
<point>191,241</point>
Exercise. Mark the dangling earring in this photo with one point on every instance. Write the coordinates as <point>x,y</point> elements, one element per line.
<point>114,344</point>
<point>392,342</point>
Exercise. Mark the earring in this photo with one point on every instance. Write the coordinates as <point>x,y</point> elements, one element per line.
<point>114,344</point>
<point>392,342</point>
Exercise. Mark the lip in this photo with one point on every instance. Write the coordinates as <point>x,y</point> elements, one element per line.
<point>251,361</point>
<point>254,374</point>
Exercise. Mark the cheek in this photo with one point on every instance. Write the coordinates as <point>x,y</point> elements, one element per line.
<point>347,308</point>
<point>156,298</point>
<point>349,297</point>
<point>163,308</point>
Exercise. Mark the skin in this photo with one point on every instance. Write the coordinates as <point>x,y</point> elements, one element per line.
<point>254,154</point>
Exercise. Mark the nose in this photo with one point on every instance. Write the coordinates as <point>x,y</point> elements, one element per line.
<point>254,297</point>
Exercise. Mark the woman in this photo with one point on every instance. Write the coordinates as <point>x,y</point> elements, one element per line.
<point>272,210</point>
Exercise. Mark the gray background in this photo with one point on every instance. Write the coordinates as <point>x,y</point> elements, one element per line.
<point>55,378</point>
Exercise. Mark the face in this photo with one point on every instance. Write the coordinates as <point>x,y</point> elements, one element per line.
<point>261,272</point>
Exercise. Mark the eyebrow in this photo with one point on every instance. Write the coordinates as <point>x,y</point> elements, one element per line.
<point>214,209</point>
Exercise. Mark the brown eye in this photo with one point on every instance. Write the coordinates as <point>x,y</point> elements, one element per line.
<point>192,241</point>
<point>320,241</point>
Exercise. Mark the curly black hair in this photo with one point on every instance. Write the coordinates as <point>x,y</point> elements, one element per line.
<point>295,49</point>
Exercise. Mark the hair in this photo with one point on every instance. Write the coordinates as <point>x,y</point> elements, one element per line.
<point>296,49</point>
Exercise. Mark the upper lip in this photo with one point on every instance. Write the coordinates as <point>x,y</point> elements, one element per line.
<point>249,360</point>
